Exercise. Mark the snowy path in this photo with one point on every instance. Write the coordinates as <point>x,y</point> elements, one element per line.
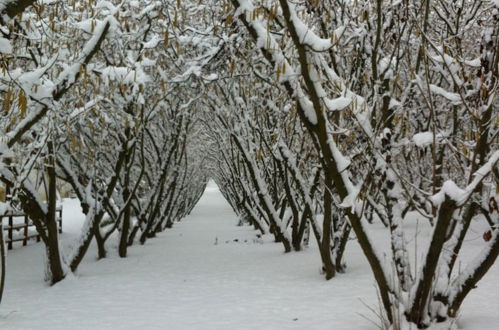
<point>182,280</point>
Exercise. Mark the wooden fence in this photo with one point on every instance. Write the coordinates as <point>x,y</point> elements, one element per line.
<point>18,225</point>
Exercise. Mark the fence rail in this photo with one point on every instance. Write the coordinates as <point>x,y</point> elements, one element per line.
<point>21,228</point>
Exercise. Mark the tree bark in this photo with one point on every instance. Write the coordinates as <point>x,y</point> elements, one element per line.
<point>55,270</point>
<point>13,8</point>
<point>3,263</point>
<point>125,228</point>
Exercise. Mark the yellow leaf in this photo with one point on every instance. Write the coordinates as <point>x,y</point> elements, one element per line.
<point>23,104</point>
<point>232,67</point>
<point>175,19</point>
<point>167,38</point>
<point>7,102</point>
<point>74,143</point>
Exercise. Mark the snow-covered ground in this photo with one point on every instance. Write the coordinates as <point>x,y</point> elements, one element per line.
<point>207,273</point>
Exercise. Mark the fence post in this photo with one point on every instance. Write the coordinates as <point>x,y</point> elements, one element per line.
<point>60,220</point>
<point>26,223</point>
<point>11,223</point>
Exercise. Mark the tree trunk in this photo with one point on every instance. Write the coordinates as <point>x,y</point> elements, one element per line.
<point>55,273</point>
<point>133,234</point>
<point>125,228</point>
<point>3,263</point>
<point>101,244</point>
<point>327,262</point>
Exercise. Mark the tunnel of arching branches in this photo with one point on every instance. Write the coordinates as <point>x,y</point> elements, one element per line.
<point>316,119</point>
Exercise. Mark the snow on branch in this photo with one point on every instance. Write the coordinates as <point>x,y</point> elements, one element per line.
<point>66,80</point>
<point>461,196</point>
<point>453,97</point>
<point>306,35</point>
<point>273,53</point>
<point>71,74</point>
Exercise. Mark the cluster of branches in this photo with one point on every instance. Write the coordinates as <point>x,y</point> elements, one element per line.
<point>323,117</point>
<point>95,97</point>
<point>339,114</point>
